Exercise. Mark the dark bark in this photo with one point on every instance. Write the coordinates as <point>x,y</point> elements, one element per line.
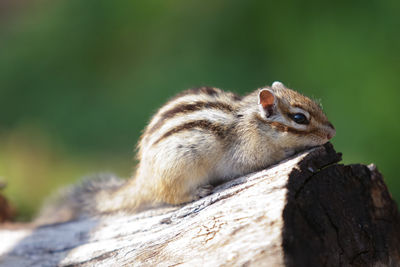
<point>340,216</point>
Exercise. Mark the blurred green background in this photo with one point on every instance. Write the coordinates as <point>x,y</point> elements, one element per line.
<point>80,79</point>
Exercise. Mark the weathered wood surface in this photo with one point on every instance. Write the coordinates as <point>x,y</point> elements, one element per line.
<point>305,211</point>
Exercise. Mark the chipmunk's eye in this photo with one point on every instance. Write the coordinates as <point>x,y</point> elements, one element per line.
<point>299,118</point>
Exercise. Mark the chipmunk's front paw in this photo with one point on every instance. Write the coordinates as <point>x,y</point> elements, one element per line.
<point>203,191</point>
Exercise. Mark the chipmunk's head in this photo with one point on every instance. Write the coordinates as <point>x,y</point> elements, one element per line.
<point>296,120</point>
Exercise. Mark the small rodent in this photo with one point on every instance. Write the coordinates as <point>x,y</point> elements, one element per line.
<point>199,137</point>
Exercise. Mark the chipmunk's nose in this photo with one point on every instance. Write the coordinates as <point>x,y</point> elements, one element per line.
<point>331,132</point>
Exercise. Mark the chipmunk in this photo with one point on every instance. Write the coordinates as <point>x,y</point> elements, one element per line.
<point>199,137</point>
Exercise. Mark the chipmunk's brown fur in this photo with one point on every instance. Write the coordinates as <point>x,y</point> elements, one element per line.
<point>203,135</point>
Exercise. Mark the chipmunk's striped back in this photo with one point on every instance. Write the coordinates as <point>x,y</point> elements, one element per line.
<point>204,109</point>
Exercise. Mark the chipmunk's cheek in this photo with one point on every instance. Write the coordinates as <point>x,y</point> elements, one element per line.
<point>318,139</point>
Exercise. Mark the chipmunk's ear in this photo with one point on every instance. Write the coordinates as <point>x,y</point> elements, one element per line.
<point>266,99</point>
<point>278,85</point>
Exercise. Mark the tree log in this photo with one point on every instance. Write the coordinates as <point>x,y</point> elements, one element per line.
<point>306,211</point>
